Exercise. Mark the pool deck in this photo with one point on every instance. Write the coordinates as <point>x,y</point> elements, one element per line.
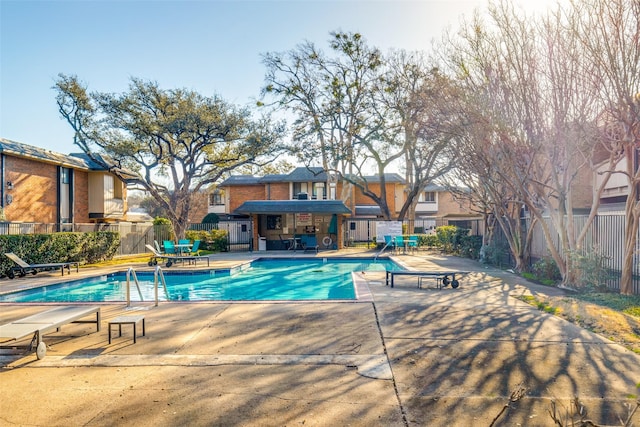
<point>402,357</point>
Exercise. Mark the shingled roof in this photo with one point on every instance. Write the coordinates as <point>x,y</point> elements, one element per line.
<point>80,161</point>
<point>292,206</point>
<point>29,151</point>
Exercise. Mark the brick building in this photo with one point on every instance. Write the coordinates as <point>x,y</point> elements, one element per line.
<point>42,186</point>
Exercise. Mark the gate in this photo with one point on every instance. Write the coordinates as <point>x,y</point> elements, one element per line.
<point>240,233</point>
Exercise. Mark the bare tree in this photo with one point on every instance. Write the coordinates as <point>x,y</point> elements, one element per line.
<point>422,110</point>
<point>532,87</point>
<point>609,33</point>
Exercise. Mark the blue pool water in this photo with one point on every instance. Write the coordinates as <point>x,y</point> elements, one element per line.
<point>264,280</point>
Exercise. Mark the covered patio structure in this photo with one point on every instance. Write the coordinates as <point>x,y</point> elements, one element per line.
<point>294,224</point>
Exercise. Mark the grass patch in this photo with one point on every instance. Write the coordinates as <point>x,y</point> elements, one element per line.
<point>628,304</point>
<point>533,278</point>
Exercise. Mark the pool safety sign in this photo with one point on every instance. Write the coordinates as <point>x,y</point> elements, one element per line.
<point>303,219</point>
<point>388,228</point>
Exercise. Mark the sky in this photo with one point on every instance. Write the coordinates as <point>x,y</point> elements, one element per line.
<point>214,47</point>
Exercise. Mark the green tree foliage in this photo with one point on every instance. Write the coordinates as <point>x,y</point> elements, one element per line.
<point>211,218</point>
<point>171,143</point>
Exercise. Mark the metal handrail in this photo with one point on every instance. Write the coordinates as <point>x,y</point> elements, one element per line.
<point>131,272</point>
<point>158,273</point>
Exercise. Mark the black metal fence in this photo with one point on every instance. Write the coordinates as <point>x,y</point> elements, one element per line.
<point>604,245</point>
<point>362,231</point>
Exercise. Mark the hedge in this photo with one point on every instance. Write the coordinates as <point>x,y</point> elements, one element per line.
<point>84,248</point>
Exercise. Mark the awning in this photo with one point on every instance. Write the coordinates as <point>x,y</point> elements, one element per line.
<point>292,206</point>
<point>368,210</point>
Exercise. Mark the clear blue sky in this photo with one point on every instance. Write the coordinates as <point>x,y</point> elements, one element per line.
<point>212,47</point>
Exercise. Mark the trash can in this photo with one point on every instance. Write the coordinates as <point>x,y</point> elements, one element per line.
<point>262,244</point>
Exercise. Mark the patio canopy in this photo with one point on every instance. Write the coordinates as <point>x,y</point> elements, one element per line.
<point>292,206</point>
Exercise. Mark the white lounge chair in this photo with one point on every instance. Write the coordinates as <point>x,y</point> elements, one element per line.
<point>46,321</point>
<point>24,267</point>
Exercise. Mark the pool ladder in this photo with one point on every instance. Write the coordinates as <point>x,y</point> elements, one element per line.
<point>386,245</point>
<point>158,277</point>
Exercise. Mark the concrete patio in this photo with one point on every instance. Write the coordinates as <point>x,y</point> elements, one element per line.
<point>409,357</point>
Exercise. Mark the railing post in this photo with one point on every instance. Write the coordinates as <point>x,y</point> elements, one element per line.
<point>155,283</point>
<point>129,287</point>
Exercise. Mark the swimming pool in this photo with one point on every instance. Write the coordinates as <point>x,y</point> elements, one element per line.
<point>262,280</point>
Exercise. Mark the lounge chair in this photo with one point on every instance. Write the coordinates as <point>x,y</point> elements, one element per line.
<point>172,259</point>
<point>23,267</point>
<point>39,324</point>
<point>157,246</point>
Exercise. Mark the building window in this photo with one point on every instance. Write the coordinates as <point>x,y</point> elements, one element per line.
<point>216,199</point>
<point>429,196</point>
<point>64,175</point>
<point>319,191</point>
<point>299,187</point>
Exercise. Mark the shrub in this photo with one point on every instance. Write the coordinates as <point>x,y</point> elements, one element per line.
<point>59,247</point>
<point>213,240</point>
<point>428,240</point>
<point>445,236</point>
<point>495,254</point>
<point>451,238</point>
<point>470,246</point>
<point>592,272</point>
<point>546,268</point>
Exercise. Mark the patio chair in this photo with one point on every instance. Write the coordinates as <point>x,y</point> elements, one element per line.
<point>400,244</point>
<point>285,242</point>
<point>157,246</point>
<point>183,247</point>
<point>310,243</point>
<point>389,242</point>
<point>169,247</point>
<point>195,249</point>
<point>412,244</point>
<point>23,267</point>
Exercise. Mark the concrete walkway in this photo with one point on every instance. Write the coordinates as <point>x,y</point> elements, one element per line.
<point>410,357</point>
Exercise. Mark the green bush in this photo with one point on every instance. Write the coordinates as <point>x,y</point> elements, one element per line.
<point>451,238</point>
<point>428,240</point>
<point>470,246</point>
<point>546,268</point>
<point>592,270</point>
<point>445,236</point>
<point>213,240</point>
<point>495,254</point>
<point>59,247</point>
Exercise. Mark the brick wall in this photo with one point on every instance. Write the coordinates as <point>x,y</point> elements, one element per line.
<point>448,205</point>
<point>362,199</point>
<point>34,190</point>
<point>80,196</point>
<point>277,191</point>
<point>238,194</point>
